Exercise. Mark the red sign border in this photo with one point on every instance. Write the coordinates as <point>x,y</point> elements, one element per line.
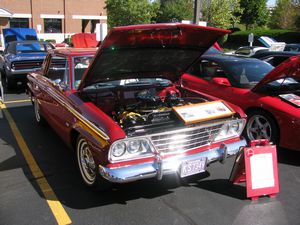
<point>255,150</point>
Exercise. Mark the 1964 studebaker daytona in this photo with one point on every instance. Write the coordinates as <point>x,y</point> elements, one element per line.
<point>131,117</point>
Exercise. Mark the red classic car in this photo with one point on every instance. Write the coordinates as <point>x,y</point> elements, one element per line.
<point>130,119</point>
<point>269,96</point>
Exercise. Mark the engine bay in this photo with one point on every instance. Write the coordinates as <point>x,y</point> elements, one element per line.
<point>141,109</point>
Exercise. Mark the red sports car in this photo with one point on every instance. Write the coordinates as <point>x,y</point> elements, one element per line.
<point>269,96</point>
<point>130,119</point>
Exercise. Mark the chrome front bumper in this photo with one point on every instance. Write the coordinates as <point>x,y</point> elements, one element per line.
<point>161,167</point>
<point>13,72</point>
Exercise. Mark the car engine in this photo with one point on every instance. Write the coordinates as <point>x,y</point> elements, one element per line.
<point>152,110</point>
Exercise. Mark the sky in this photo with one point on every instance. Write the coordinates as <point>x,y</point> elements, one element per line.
<point>271,2</point>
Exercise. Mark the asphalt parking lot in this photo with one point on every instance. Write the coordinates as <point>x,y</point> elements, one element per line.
<point>42,185</point>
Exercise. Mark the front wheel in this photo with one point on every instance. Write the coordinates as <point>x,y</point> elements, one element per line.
<point>87,166</point>
<point>261,125</point>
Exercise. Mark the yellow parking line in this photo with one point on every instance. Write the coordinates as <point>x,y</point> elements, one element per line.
<point>17,101</point>
<point>57,209</point>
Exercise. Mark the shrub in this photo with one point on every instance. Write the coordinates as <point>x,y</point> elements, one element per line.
<point>51,40</point>
<point>287,36</point>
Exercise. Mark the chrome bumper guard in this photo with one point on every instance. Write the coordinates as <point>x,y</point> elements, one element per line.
<point>161,167</point>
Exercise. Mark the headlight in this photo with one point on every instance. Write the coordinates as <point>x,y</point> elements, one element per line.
<point>134,146</point>
<point>230,130</point>
<point>118,149</point>
<point>131,148</point>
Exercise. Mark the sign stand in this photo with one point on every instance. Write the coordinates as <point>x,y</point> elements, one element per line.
<point>257,167</point>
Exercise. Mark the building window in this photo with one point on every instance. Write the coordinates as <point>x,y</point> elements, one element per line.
<point>93,25</point>
<point>89,25</point>
<point>19,23</point>
<point>52,25</point>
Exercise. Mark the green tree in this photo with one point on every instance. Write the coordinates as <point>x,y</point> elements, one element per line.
<point>255,12</point>
<point>284,15</point>
<point>297,22</point>
<point>130,12</point>
<point>221,13</point>
<point>175,11</point>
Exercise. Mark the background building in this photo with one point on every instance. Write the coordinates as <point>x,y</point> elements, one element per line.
<point>55,19</point>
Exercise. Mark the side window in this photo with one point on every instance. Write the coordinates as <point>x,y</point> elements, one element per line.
<point>206,69</point>
<point>81,63</point>
<point>58,70</point>
<point>243,51</point>
<point>10,49</point>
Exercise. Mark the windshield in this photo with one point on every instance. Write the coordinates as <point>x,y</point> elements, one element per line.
<point>32,47</point>
<point>282,86</point>
<point>246,74</point>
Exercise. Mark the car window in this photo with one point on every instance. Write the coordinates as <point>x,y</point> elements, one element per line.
<point>275,60</point>
<point>207,70</point>
<point>58,70</point>
<point>81,63</point>
<point>243,51</point>
<point>247,73</point>
<point>32,47</point>
<point>10,49</point>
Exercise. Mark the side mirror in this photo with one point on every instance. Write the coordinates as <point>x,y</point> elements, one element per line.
<point>221,81</point>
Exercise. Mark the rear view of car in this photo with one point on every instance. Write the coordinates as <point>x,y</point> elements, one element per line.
<point>22,57</point>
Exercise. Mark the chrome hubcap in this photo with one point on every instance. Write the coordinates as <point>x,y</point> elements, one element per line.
<point>258,127</point>
<point>37,111</point>
<point>86,162</point>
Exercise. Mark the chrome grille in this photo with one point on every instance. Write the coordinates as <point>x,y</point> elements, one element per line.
<point>185,139</point>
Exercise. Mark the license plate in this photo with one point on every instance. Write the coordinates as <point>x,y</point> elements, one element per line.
<point>192,167</point>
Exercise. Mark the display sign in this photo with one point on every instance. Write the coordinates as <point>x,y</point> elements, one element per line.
<point>257,166</point>
<point>203,111</point>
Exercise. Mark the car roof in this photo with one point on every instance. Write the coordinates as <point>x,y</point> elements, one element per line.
<point>275,53</point>
<point>74,51</point>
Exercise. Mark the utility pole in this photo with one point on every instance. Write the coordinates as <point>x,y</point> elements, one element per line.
<point>31,10</point>
<point>65,18</point>
<point>197,8</point>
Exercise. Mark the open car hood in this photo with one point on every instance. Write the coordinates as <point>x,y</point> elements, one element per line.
<point>153,50</point>
<point>288,68</point>
<point>18,34</point>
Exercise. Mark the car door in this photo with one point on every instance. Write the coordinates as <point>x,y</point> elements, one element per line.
<point>202,77</point>
<point>58,89</point>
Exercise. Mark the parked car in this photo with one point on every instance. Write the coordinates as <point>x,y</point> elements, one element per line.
<point>22,57</point>
<point>130,119</point>
<point>292,47</point>
<point>270,97</point>
<point>248,51</point>
<point>274,57</point>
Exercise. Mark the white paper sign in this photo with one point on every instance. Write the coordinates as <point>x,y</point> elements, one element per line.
<point>262,174</point>
<point>202,111</point>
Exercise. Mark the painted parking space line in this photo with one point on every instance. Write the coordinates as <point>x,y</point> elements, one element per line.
<point>17,101</point>
<point>56,207</point>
